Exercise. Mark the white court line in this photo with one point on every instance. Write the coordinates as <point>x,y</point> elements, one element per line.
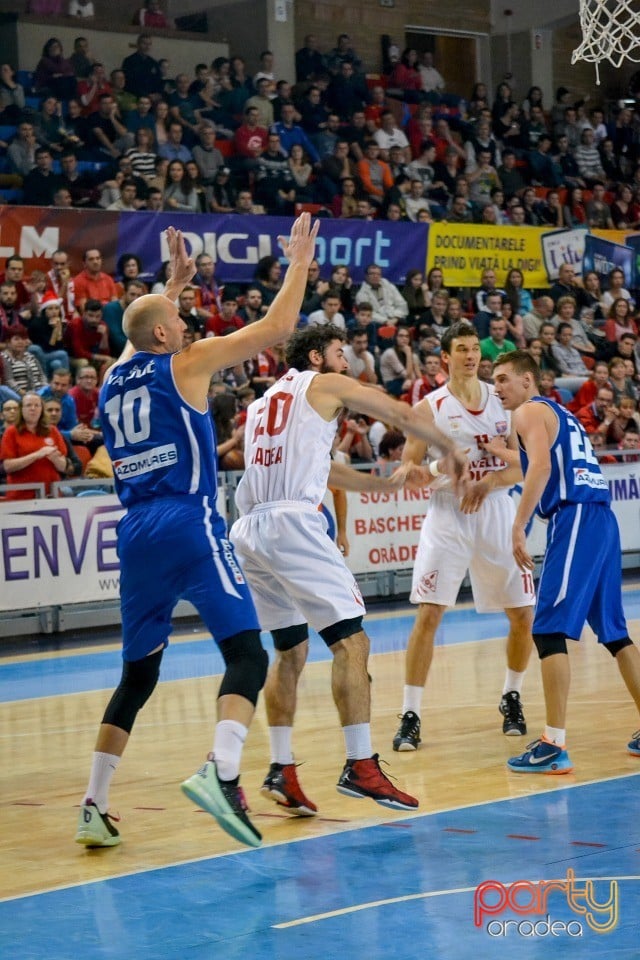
<point>362,825</point>
<point>344,911</point>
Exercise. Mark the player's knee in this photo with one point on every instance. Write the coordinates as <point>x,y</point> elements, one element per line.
<point>139,679</point>
<point>246,663</point>
<point>618,645</point>
<point>548,644</point>
<point>341,630</point>
<point>286,638</point>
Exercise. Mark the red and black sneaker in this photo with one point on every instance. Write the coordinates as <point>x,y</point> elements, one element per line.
<point>364,778</point>
<point>281,784</point>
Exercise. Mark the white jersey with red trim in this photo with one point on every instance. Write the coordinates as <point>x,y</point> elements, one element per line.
<point>469,428</point>
<point>287,446</point>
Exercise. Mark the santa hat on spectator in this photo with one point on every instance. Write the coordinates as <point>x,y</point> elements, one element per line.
<point>50,300</point>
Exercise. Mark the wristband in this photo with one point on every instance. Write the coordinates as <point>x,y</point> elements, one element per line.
<point>433,468</point>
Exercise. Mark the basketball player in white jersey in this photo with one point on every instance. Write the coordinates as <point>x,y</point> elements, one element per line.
<point>296,573</point>
<point>470,533</point>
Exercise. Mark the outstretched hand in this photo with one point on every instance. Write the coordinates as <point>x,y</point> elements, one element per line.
<point>301,245</point>
<point>182,267</point>
<point>455,465</point>
<point>411,475</point>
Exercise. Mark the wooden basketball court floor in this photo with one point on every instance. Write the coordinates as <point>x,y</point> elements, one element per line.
<point>358,880</point>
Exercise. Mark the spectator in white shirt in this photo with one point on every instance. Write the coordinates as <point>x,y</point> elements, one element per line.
<point>432,81</point>
<point>330,312</point>
<point>390,135</point>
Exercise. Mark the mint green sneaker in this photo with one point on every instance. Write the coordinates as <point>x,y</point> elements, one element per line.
<point>95,829</point>
<point>224,800</point>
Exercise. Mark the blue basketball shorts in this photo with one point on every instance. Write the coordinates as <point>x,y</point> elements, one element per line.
<point>176,548</point>
<point>581,575</point>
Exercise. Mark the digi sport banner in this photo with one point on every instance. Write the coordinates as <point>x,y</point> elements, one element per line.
<point>237,243</point>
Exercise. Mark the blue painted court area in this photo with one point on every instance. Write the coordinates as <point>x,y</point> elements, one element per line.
<point>200,658</point>
<point>404,889</point>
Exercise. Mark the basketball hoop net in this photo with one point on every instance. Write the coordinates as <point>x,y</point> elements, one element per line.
<point>610,30</point>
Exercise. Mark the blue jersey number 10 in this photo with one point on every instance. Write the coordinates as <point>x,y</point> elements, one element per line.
<point>128,415</point>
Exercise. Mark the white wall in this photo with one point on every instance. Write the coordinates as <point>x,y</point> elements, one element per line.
<point>111,48</point>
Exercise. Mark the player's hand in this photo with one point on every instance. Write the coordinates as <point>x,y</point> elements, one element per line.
<point>455,465</point>
<point>474,496</point>
<point>495,447</point>
<point>520,553</point>
<point>182,267</point>
<point>410,475</point>
<point>342,544</point>
<point>301,245</point>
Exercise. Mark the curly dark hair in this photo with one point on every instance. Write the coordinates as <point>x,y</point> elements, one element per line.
<point>311,338</point>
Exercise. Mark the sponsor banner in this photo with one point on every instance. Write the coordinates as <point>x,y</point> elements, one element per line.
<point>35,233</point>
<point>602,256</point>
<point>237,243</point>
<point>383,529</point>
<point>55,552</point>
<point>464,250</point>
<point>59,551</point>
<point>633,242</point>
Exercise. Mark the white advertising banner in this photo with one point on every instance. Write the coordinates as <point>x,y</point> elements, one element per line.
<point>61,551</point>
<point>55,552</point>
<point>383,529</point>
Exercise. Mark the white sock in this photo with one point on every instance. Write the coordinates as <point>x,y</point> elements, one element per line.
<point>280,738</point>
<point>227,748</point>
<point>555,735</point>
<point>412,699</point>
<point>103,767</point>
<point>513,681</point>
<point>357,740</point>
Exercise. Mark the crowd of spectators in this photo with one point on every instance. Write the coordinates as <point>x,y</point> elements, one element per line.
<point>224,141</point>
<point>60,332</point>
<point>398,145</point>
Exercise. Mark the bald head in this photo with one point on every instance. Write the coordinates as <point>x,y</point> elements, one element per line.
<point>143,317</point>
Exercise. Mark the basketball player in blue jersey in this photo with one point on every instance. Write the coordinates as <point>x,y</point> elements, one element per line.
<point>172,543</point>
<point>579,581</point>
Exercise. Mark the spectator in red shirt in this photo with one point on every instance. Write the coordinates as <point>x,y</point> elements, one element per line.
<point>32,451</point>
<point>222,323</point>
<point>92,283</point>
<point>91,89</point>
<point>250,140</point>
<point>598,416</point>
<point>85,396</point>
<point>88,336</point>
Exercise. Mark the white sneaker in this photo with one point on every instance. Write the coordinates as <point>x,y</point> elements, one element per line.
<point>95,829</point>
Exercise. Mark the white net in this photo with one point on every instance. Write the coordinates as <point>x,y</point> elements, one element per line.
<point>611,31</point>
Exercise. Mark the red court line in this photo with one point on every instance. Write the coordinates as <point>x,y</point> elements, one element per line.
<point>520,836</point>
<point>457,830</point>
<point>585,843</point>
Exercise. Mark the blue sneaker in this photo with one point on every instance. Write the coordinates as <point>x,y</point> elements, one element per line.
<point>634,746</point>
<point>542,757</point>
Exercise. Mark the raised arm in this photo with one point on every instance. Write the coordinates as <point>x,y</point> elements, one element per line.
<point>205,357</point>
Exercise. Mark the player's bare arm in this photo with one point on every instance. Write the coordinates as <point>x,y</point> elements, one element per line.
<point>359,481</point>
<point>329,392</point>
<point>532,422</point>
<point>202,359</point>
